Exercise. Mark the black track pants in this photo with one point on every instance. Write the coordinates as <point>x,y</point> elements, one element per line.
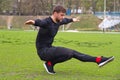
<point>61,54</point>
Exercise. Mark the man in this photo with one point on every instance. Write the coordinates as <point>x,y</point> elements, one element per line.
<point>53,55</point>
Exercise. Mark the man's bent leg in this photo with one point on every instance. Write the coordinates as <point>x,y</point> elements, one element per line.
<point>62,54</point>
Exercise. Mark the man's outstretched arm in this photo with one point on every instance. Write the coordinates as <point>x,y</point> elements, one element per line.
<point>30,22</point>
<point>41,23</point>
<point>76,19</point>
<point>66,20</point>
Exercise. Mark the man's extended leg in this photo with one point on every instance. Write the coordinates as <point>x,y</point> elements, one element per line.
<point>62,54</point>
<point>100,60</point>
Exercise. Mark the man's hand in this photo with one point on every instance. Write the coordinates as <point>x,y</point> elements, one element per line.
<point>76,19</point>
<point>30,22</point>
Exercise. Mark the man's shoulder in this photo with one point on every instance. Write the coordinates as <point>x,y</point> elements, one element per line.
<point>47,19</point>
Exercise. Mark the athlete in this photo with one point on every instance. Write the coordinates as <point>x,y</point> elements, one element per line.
<point>51,54</point>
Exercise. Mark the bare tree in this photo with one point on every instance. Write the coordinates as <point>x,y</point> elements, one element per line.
<point>43,7</point>
<point>94,2</point>
<point>34,7</point>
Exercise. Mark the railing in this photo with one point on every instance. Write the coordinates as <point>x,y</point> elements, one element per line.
<point>111,19</point>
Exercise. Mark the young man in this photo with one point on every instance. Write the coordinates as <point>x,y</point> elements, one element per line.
<point>53,55</point>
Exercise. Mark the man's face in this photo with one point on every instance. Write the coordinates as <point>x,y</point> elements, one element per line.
<point>59,16</point>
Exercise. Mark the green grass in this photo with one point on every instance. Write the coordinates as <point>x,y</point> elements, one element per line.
<point>19,60</point>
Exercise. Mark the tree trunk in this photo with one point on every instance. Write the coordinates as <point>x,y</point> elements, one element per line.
<point>94,2</point>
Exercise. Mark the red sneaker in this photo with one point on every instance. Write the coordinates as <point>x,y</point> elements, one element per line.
<point>49,68</point>
<point>105,61</point>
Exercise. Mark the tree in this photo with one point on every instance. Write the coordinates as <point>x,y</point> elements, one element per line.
<point>5,5</point>
<point>38,7</point>
<point>94,2</point>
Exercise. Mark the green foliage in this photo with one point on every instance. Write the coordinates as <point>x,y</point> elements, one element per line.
<point>6,5</point>
<point>19,60</point>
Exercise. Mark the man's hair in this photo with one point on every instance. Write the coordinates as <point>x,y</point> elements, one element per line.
<point>59,9</point>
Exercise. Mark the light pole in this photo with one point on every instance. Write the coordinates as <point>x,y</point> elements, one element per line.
<point>104,9</point>
<point>114,6</point>
<point>104,13</point>
<point>19,7</point>
<point>63,3</point>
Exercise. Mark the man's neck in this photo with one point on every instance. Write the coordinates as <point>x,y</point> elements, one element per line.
<point>53,18</point>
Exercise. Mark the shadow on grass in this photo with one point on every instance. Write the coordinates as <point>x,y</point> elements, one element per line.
<point>83,44</point>
<point>17,41</point>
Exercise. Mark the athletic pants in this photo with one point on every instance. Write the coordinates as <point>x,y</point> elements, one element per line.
<point>61,54</point>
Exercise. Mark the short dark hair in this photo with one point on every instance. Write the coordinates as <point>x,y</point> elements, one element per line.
<point>59,9</point>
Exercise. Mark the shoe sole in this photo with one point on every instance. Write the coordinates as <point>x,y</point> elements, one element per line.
<point>47,69</point>
<point>105,62</point>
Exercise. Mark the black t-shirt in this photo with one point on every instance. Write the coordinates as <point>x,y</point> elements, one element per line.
<point>48,30</point>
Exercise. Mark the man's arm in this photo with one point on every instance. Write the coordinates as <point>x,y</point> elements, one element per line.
<point>66,20</point>
<point>76,19</point>
<point>37,22</point>
<point>30,22</point>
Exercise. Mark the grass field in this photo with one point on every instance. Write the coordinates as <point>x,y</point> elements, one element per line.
<point>19,60</point>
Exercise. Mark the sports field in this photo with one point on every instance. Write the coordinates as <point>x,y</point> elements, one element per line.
<point>19,60</point>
